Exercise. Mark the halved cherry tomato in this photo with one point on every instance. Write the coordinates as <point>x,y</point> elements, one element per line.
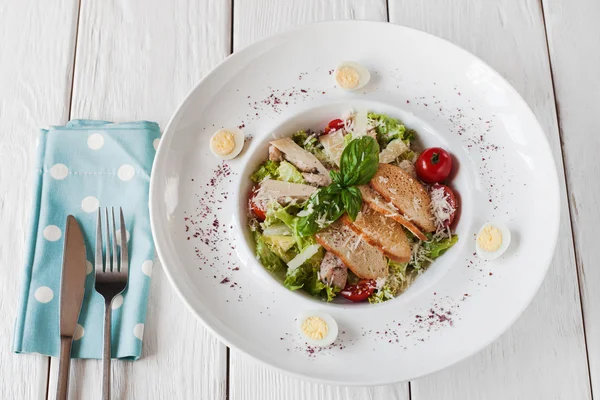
<point>434,165</point>
<point>359,292</point>
<point>256,210</point>
<point>334,125</point>
<point>449,194</point>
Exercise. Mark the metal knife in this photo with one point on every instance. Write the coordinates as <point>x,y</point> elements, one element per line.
<point>72,287</point>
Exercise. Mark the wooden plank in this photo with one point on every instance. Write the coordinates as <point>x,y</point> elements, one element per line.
<point>36,56</point>
<point>253,20</point>
<point>543,355</point>
<point>573,37</point>
<point>137,60</point>
<point>257,19</point>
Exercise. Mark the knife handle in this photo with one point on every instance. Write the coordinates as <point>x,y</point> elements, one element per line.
<point>63,368</point>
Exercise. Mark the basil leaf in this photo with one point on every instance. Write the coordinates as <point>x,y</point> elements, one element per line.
<point>336,177</point>
<point>359,161</point>
<point>352,200</point>
<point>326,205</point>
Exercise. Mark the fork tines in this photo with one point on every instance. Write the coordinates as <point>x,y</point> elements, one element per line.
<point>108,265</point>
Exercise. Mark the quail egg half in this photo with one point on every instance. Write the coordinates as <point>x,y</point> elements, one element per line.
<point>317,328</point>
<point>492,241</point>
<point>350,75</point>
<point>227,143</point>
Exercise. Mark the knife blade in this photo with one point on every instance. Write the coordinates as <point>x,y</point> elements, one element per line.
<point>72,288</point>
<point>72,285</point>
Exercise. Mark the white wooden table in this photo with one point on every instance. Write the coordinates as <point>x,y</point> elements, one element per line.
<point>136,59</point>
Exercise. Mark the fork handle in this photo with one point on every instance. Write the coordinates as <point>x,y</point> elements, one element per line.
<point>106,358</point>
<point>62,388</point>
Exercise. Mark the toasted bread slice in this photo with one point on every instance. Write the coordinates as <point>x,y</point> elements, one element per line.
<point>378,203</point>
<point>406,193</point>
<point>382,232</point>
<point>366,261</point>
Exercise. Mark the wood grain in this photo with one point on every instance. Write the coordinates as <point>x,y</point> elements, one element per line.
<point>254,20</point>
<point>137,60</point>
<point>36,56</point>
<point>543,355</point>
<point>573,37</point>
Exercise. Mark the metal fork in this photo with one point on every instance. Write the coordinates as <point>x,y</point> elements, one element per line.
<point>111,279</point>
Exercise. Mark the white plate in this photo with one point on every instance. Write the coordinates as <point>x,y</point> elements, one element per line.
<point>505,172</point>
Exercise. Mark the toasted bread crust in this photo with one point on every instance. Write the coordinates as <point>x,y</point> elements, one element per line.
<point>405,193</point>
<point>368,269</point>
<point>384,209</point>
<point>381,232</point>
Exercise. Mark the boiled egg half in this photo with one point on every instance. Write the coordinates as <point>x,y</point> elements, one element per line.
<point>227,143</point>
<point>317,328</point>
<point>492,241</point>
<point>351,76</point>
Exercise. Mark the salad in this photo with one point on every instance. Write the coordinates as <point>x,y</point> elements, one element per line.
<point>352,210</point>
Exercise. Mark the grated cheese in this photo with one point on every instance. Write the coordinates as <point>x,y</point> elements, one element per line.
<point>442,210</point>
<point>309,139</point>
<point>416,203</point>
<point>383,179</point>
<point>380,283</point>
<point>418,255</point>
<point>309,210</point>
<point>304,256</point>
<point>357,243</point>
<point>322,221</point>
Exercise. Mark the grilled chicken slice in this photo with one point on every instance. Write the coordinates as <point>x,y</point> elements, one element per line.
<point>315,179</point>
<point>283,192</point>
<point>302,159</point>
<point>333,271</point>
<point>275,154</point>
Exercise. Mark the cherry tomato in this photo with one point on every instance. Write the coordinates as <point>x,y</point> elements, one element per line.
<point>359,292</point>
<point>434,165</point>
<point>449,194</point>
<point>256,210</point>
<point>334,125</point>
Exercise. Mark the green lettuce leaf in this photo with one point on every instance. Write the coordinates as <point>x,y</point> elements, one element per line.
<point>389,128</point>
<point>437,248</point>
<point>267,170</point>
<point>398,280</point>
<point>311,144</point>
<point>288,173</point>
<point>266,256</point>
<point>306,277</point>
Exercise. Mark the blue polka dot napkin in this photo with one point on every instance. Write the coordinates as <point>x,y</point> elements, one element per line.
<point>81,166</point>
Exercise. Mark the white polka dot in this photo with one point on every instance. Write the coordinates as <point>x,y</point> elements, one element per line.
<point>119,236</point>
<point>126,172</point>
<point>43,294</point>
<point>79,331</point>
<point>117,302</point>
<point>138,331</point>
<point>52,233</point>
<point>88,267</point>
<point>89,204</point>
<point>59,171</point>
<point>155,143</point>
<point>95,141</point>
<point>147,267</point>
